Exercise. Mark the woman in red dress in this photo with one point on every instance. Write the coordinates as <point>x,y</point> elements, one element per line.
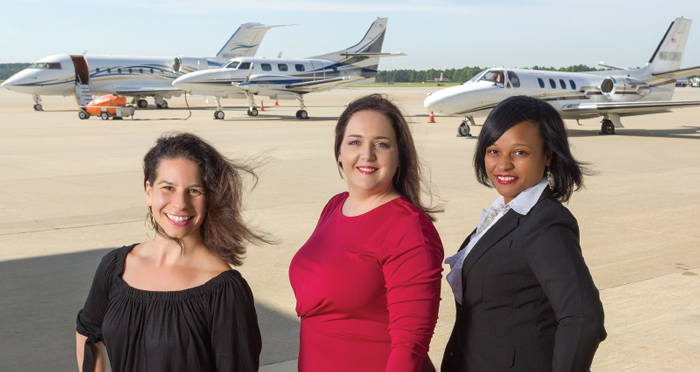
<point>367,282</point>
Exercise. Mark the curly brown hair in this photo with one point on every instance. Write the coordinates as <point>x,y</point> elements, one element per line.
<point>224,232</point>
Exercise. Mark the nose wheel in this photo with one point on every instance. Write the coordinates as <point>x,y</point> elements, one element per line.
<point>219,115</point>
<point>464,130</point>
<point>302,114</point>
<point>252,112</point>
<point>38,107</point>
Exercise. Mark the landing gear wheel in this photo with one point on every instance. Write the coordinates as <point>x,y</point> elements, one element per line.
<point>253,112</point>
<point>37,107</point>
<point>219,115</point>
<point>162,105</point>
<point>104,116</point>
<point>142,103</point>
<point>302,114</point>
<point>83,115</point>
<point>607,127</point>
<point>463,129</point>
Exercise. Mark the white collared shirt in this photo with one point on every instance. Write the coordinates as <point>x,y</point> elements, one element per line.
<point>521,204</point>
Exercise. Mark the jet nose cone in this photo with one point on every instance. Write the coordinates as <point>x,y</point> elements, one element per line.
<point>442,100</point>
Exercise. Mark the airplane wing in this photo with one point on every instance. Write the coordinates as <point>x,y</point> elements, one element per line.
<point>146,91</point>
<point>679,74</point>
<point>310,86</point>
<point>628,108</point>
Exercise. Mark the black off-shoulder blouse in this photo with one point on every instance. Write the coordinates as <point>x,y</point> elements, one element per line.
<point>212,327</point>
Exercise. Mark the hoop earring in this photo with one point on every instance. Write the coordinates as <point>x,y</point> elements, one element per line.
<point>550,178</point>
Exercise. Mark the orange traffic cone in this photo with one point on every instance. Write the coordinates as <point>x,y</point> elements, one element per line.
<point>276,103</point>
<point>431,119</point>
<point>262,107</point>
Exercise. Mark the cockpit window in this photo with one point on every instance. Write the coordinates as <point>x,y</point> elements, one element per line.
<point>233,64</point>
<point>476,77</point>
<point>244,66</point>
<point>514,79</point>
<point>493,76</point>
<point>46,66</point>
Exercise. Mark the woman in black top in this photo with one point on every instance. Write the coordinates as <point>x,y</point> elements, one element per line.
<point>174,303</point>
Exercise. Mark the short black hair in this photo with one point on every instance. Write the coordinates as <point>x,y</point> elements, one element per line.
<point>567,171</point>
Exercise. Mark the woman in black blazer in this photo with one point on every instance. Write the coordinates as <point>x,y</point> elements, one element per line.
<point>525,298</point>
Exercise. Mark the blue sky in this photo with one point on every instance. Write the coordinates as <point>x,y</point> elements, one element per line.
<point>434,33</point>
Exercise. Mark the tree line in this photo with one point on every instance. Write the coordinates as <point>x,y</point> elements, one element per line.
<point>9,69</point>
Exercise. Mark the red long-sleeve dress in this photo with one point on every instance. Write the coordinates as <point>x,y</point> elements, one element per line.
<point>368,289</point>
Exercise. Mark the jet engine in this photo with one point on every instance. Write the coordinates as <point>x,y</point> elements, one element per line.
<point>190,64</point>
<point>614,88</point>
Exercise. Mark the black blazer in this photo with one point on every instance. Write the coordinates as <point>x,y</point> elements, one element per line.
<point>529,302</point>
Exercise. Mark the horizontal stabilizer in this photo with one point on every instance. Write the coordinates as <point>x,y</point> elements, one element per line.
<point>629,108</point>
<point>372,54</point>
<point>679,74</point>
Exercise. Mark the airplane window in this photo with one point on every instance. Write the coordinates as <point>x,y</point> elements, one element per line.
<point>119,70</point>
<point>573,85</point>
<point>282,67</point>
<point>129,70</point>
<point>266,67</point>
<point>493,76</point>
<point>539,80</point>
<point>245,66</point>
<point>109,70</point>
<point>233,64</point>
<point>514,79</point>
<point>562,83</point>
<point>46,66</point>
<point>552,83</point>
<point>151,70</point>
<point>477,77</point>
<point>299,67</point>
<point>140,71</point>
<point>97,70</point>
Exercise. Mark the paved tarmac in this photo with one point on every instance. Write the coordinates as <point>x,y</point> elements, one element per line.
<point>72,189</point>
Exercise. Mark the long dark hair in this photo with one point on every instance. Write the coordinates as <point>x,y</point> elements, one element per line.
<point>407,181</point>
<point>224,232</point>
<point>567,172</point>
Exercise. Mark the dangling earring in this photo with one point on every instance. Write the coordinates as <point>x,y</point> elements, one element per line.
<point>550,179</point>
<point>149,222</point>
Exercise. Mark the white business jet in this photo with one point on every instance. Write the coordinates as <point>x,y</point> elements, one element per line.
<point>578,95</point>
<point>284,78</point>
<point>135,76</point>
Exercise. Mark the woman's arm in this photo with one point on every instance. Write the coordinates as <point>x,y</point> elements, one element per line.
<point>99,351</point>
<point>412,270</point>
<point>554,255</point>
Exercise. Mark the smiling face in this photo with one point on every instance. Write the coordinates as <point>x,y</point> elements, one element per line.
<point>369,154</point>
<point>516,161</point>
<point>177,198</point>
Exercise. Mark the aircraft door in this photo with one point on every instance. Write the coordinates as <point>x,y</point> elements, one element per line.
<point>319,74</point>
<point>82,72</point>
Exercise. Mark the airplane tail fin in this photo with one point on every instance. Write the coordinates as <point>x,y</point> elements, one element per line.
<point>669,53</point>
<point>371,44</point>
<point>244,42</point>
